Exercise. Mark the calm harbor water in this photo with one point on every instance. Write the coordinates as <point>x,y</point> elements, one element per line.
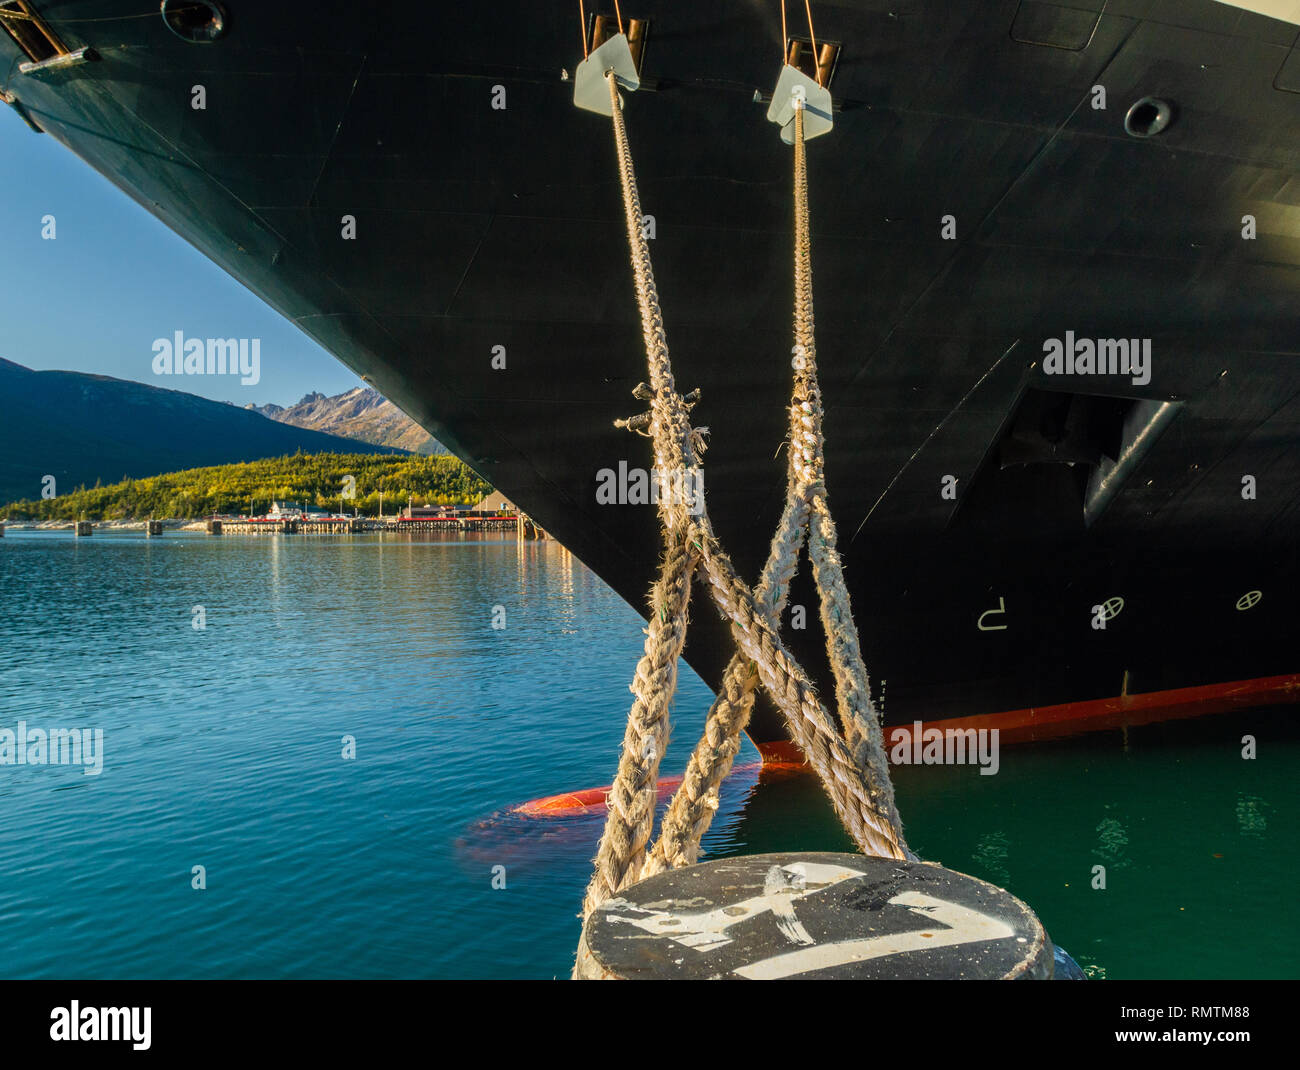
<point>222,748</point>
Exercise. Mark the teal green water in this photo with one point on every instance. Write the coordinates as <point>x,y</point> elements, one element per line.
<point>222,748</point>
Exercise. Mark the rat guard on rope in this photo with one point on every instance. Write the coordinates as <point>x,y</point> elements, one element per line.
<point>847,753</point>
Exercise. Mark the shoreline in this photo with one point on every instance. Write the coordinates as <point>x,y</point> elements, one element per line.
<point>233,526</point>
<point>107,525</point>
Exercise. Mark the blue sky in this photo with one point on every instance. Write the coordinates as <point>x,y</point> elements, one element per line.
<point>114,279</point>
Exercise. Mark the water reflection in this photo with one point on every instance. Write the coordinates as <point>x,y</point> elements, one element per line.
<point>223,747</point>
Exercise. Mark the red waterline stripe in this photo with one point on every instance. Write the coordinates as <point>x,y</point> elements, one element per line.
<point>1072,718</point>
<point>1014,726</point>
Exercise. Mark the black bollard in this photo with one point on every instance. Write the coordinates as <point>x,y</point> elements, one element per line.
<point>816,915</point>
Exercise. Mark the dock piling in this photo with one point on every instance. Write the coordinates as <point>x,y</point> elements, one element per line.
<point>814,915</point>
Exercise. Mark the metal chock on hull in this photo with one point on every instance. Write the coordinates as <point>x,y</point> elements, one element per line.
<point>589,90</point>
<point>794,88</point>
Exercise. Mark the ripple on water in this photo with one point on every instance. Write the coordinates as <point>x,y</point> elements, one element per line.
<point>223,748</point>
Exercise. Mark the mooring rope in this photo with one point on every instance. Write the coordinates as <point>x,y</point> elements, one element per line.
<point>858,716</point>
<point>696,800</point>
<point>631,806</point>
<point>849,757</point>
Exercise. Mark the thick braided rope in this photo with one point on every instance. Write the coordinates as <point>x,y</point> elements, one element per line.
<point>629,818</point>
<point>621,856</point>
<point>860,800</point>
<point>696,800</point>
<point>670,421</point>
<point>859,718</point>
<point>862,732</point>
<point>854,770</point>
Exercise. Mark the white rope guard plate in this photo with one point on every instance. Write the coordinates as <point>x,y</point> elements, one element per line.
<point>795,85</point>
<point>590,90</point>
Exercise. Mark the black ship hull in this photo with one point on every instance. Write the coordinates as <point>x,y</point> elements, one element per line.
<point>971,205</point>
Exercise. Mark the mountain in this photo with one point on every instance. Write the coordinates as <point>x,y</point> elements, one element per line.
<point>362,414</point>
<point>82,428</point>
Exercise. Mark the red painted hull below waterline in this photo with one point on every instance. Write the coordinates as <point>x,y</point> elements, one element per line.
<point>1013,726</point>
<point>1121,711</point>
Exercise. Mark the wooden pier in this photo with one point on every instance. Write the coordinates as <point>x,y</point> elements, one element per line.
<point>455,523</point>
<point>360,525</point>
<point>336,525</point>
<point>286,527</point>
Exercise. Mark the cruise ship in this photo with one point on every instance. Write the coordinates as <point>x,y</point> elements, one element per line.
<point>1056,255</point>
